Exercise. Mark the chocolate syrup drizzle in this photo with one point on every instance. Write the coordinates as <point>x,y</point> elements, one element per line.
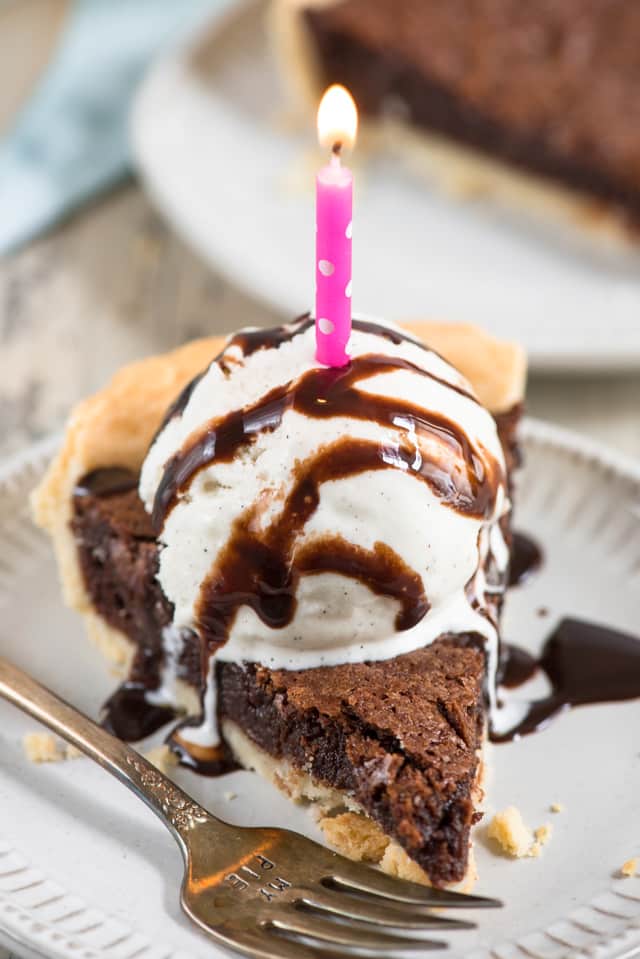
<point>585,664</point>
<point>204,760</point>
<point>269,338</point>
<point>327,393</point>
<point>130,715</point>
<point>251,341</point>
<point>106,481</point>
<point>262,570</point>
<point>179,405</point>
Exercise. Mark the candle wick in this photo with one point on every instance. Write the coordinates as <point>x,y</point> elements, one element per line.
<point>336,149</point>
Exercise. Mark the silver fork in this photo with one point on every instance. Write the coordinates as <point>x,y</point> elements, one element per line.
<point>267,893</point>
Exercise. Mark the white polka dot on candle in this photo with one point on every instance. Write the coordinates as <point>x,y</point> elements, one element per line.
<point>326,267</point>
<point>347,289</point>
<point>349,231</point>
<point>325,326</point>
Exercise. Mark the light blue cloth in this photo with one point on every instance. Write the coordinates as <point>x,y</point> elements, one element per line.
<point>71,140</point>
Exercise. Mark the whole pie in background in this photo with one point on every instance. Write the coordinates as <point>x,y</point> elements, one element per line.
<point>535,104</point>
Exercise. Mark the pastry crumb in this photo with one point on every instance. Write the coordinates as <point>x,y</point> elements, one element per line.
<point>46,748</point>
<point>162,758</point>
<point>514,837</point>
<point>511,834</point>
<point>629,868</point>
<point>42,748</point>
<point>542,835</point>
<point>229,796</point>
<point>556,807</point>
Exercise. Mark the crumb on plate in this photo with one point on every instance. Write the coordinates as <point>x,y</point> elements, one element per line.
<point>42,748</point>
<point>556,807</point>
<point>629,868</point>
<point>229,796</point>
<point>511,834</point>
<point>515,838</point>
<point>542,835</point>
<point>47,748</point>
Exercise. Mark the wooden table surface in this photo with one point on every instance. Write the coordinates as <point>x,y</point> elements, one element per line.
<point>115,284</point>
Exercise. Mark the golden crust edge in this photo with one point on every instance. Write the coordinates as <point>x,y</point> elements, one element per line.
<point>453,168</point>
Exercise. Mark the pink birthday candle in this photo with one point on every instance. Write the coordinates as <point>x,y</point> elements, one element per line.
<point>337,124</point>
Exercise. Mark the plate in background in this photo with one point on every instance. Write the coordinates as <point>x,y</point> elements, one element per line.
<point>86,871</point>
<point>237,185</point>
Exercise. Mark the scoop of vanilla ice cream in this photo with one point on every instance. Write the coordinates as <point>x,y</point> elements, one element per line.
<point>337,617</point>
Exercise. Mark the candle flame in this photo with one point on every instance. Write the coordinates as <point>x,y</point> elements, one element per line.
<point>337,119</point>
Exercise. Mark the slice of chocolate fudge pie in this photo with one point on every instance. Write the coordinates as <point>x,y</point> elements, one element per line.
<point>307,564</point>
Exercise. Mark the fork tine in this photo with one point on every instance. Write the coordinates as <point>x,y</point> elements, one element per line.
<point>375,910</point>
<point>343,936</point>
<point>373,882</point>
<point>259,944</point>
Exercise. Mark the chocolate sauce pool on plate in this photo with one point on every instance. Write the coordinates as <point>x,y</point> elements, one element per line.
<point>526,559</point>
<point>585,664</point>
<point>517,665</point>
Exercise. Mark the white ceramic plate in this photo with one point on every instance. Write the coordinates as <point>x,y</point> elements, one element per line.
<point>87,872</point>
<point>222,170</point>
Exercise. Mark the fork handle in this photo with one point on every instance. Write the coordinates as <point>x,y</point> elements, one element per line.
<point>170,803</point>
